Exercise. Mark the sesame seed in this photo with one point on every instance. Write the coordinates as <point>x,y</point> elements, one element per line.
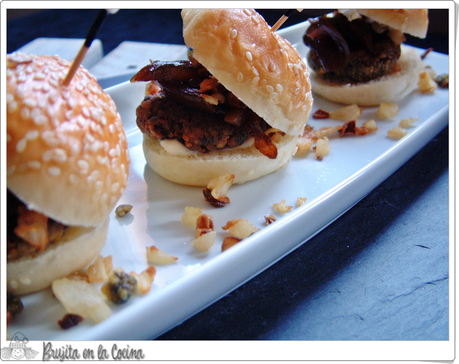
<point>22,78</point>
<point>233,33</point>
<point>40,119</point>
<point>96,146</point>
<point>21,145</point>
<point>25,281</point>
<point>74,179</point>
<point>30,103</point>
<point>84,165</point>
<point>272,95</point>
<point>25,113</point>
<point>240,77</point>
<point>248,55</point>
<point>59,155</point>
<point>255,80</point>
<point>54,171</point>
<point>34,164</point>
<point>247,12</point>
<point>12,107</point>
<point>32,135</point>
<point>279,87</point>
<point>269,88</point>
<point>85,112</point>
<point>39,76</point>
<point>271,67</point>
<point>98,185</point>
<point>75,149</point>
<point>115,187</point>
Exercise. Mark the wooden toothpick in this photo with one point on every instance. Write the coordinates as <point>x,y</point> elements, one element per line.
<point>283,18</point>
<point>87,43</point>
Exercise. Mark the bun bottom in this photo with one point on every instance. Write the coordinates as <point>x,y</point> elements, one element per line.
<point>246,164</point>
<point>389,88</point>
<point>77,249</point>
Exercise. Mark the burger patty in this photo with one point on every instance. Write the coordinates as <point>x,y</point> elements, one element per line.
<point>18,247</point>
<point>162,117</point>
<point>350,52</point>
<point>362,66</point>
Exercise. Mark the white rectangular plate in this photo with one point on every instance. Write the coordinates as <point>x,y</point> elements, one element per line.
<point>354,167</point>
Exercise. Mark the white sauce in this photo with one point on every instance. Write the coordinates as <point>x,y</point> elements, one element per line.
<point>174,147</point>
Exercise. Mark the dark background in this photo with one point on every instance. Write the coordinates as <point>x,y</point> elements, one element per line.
<point>159,26</point>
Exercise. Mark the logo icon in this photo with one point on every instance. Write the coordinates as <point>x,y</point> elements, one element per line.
<point>18,349</point>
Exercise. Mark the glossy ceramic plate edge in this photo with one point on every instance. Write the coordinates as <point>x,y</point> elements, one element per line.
<point>244,261</point>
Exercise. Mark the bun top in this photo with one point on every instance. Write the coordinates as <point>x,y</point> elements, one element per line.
<point>261,68</point>
<point>67,151</point>
<point>411,21</point>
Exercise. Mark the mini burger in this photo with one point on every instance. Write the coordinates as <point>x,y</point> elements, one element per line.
<point>236,106</point>
<point>67,166</point>
<point>358,56</point>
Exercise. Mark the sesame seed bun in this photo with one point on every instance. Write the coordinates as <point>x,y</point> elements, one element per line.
<point>389,88</point>
<point>67,159</point>
<point>264,71</point>
<point>409,21</point>
<point>73,252</point>
<point>197,170</point>
<point>392,87</point>
<point>256,64</point>
<point>66,148</point>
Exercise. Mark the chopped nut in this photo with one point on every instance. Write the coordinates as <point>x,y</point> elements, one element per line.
<point>98,271</point>
<point>275,134</point>
<point>190,216</point>
<point>145,279</point>
<point>442,80</point>
<point>69,320</point>
<point>326,131</point>
<point>426,84</point>
<point>122,210</point>
<point>300,201</point>
<point>205,241</point>
<point>205,234</point>
<point>388,110</point>
<point>230,241</point>
<point>407,123</point>
<point>79,276</point>
<point>240,228</point>
<point>270,219</point>
<point>347,113</point>
<point>282,207</point>
<point>322,148</point>
<point>304,145</point>
<point>219,186</point>
<point>396,133</point>
<point>370,125</point>
<point>204,222</point>
<point>321,114</point>
<point>81,298</point>
<point>213,201</point>
<point>119,287</point>
<point>159,257</point>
